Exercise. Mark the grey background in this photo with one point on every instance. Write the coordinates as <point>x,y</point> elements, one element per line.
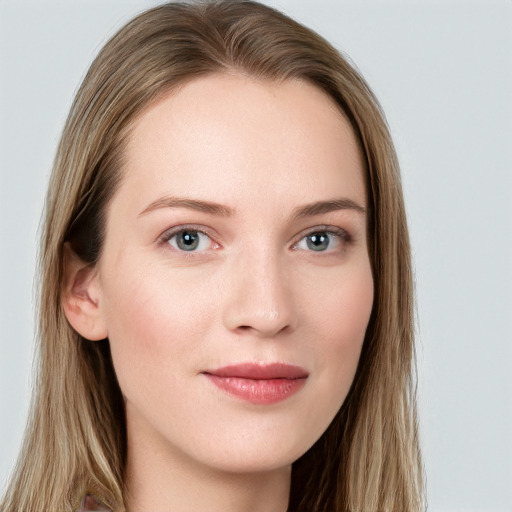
<point>443,72</point>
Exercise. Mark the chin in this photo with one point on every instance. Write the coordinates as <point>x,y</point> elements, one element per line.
<point>253,454</point>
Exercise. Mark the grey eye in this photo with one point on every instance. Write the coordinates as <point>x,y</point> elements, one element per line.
<point>190,240</point>
<point>187,240</point>
<point>318,241</point>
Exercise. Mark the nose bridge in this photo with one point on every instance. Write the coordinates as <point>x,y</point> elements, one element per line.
<point>260,299</point>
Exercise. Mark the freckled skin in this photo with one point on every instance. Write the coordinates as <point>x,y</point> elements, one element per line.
<point>254,292</point>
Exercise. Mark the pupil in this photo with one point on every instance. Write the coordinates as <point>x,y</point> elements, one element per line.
<point>318,241</point>
<point>188,240</point>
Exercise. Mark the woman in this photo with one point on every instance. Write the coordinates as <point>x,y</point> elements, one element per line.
<point>226,316</point>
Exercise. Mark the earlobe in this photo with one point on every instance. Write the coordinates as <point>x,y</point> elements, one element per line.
<point>81,296</point>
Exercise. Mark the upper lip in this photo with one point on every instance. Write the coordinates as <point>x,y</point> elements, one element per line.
<point>260,371</point>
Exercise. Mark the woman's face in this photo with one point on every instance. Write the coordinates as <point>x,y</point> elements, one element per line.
<point>234,282</point>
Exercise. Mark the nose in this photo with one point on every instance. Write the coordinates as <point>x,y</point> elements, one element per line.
<point>259,299</point>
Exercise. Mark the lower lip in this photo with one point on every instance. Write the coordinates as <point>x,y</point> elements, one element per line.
<point>258,391</point>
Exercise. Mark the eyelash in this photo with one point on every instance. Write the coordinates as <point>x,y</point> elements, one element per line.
<point>343,236</point>
<point>169,234</point>
<point>332,231</point>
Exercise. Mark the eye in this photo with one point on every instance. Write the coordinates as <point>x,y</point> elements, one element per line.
<point>318,241</point>
<point>189,240</point>
<point>323,240</point>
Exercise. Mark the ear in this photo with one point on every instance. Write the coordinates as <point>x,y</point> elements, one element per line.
<point>81,296</point>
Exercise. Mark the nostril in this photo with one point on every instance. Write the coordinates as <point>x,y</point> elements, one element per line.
<point>264,311</point>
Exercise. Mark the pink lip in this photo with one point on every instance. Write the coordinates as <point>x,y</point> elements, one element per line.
<point>259,383</point>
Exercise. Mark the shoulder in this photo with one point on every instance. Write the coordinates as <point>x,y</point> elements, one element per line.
<point>91,503</point>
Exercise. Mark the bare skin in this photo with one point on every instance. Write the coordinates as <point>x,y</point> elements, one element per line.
<point>237,235</point>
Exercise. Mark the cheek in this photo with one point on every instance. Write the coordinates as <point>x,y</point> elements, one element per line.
<point>340,315</point>
<point>334,318</point>
<point>341,305</point>
<point>153,322</point>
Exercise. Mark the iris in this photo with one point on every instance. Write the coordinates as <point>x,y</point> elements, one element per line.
<point>187,240</point>
<point>318,241</point>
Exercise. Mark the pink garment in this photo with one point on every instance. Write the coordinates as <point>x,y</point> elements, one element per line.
<point>91,503</point>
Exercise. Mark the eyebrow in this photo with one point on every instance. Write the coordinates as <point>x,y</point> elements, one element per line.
<point>309,210</point>
<point>190,204</point>
<point>321,207</point>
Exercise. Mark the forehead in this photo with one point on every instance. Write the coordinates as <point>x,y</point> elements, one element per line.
<point>227,137</point>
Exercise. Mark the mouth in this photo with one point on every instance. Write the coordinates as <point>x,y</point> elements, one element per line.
<point>259,383</point>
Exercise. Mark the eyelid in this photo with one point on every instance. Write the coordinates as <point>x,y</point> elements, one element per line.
<point>340,241</point>
<point>332,230</point>
<point>169,233</point>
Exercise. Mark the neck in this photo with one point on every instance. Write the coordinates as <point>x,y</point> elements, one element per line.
<point>162,478</point>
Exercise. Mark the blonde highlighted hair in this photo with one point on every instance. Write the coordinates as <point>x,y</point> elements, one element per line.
<point>368,460</point>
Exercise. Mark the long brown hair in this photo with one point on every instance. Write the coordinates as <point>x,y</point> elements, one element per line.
<point>368,460</point>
